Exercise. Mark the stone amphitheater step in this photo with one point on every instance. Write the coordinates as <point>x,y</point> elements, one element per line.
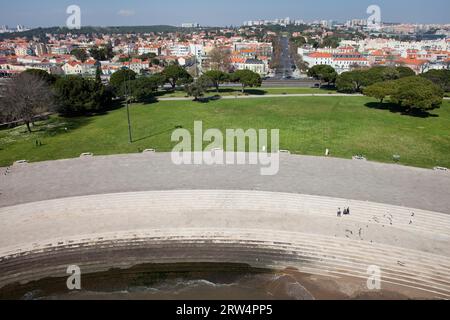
<point>270,244</point>
<point>319,206</point>
<point>320,253</point>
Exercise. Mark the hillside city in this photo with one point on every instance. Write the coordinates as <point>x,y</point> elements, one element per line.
<point>251,47</point>
<point>277,159</point>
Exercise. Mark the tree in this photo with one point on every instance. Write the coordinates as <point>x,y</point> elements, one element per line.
<point>439,77</point>
<point>121,76</point>
<point>352,81</point>
<point>330,42</point>
<point>324,73</point>
<point>175,74</point>
<point>98,75</point>
<point>220,59</point>
<point>42,74</point>
<point>405,72</point>
<point>356,80</point>
<point>80,54</point>
<point>246,78</point>
<point>195,89</point>
<point>79,96</point>
<point>101,54</point>
<point>417,93</point>
<point>380,90</point>
<point>217,77</point>
<point>25,97</point>
<point>380,73</point>
<point>147,56</point>
<point>389,74</point>
<point>141,89</point>
<point>160,79</point>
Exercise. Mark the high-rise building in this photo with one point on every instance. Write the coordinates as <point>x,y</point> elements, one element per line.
<point>41,49</point>
<point>190,25</point>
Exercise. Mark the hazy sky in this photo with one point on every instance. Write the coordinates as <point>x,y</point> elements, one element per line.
<point>215,12</point>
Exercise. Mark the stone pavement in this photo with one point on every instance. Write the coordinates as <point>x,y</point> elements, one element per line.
<point>339,178</point>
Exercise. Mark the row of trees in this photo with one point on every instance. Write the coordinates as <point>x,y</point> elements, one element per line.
<point>432,83</point>
<point>354,81</point>
<point>35,92</point>
<point>126,82</point>
<point>213,79</point>
<point>399,84</point>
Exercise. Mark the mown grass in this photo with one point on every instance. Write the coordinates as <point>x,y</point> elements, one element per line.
<point>308,125</point>
<point>237,91</point>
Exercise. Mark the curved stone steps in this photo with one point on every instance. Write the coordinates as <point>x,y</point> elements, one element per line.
<point>362,212</point>
<point>335,266</point>
<point>259,244</point>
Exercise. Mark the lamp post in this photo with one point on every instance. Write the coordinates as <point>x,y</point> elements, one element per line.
<point>130,137</point>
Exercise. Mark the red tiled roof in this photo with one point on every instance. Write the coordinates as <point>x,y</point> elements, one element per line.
<point>320,55</point>
<point>416,62</point>
<point>350,59</point>
<point>238,60</point>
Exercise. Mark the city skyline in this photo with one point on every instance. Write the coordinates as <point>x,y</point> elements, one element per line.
<point>138,12</point>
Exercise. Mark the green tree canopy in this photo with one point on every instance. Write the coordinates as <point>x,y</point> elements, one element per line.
<point>121,76</point>
<point>196,89</point>
<point>217,77</point>
<point>330,42</point>
<point>79,96</point>
<point>324,73</point>
<point>405,72</point>
<point>357,80</point>
<point>141,89</point>
<point>103,53</point>
<point>381,90</point>
<point>246,78</point>
<point>439,77</point>
<point>417,93</point>
<point>175,74</point>
<point>80,54</point>
<point>352,81</point>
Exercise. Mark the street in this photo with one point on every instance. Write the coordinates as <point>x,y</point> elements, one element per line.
<point>285,70</point>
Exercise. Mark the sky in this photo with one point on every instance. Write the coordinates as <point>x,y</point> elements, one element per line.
<point>45,13</point>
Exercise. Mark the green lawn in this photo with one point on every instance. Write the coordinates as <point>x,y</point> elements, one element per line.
<point>232,91</point>
<point>308,125</point>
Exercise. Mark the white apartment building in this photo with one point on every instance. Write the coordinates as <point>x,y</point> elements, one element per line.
<point>77,68</point>
<point>377,44</point>
<point>23,51</point>
<point>255,65</point>
<point>341,61</point>
<point>198,50</point>
<point>149,49</point>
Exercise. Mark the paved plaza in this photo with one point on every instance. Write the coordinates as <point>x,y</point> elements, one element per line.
<point>120,211</point>
<point>339,178</point>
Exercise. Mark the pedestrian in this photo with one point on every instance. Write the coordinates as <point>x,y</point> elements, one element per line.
<point>339,213</point>
<point>348,211</point>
